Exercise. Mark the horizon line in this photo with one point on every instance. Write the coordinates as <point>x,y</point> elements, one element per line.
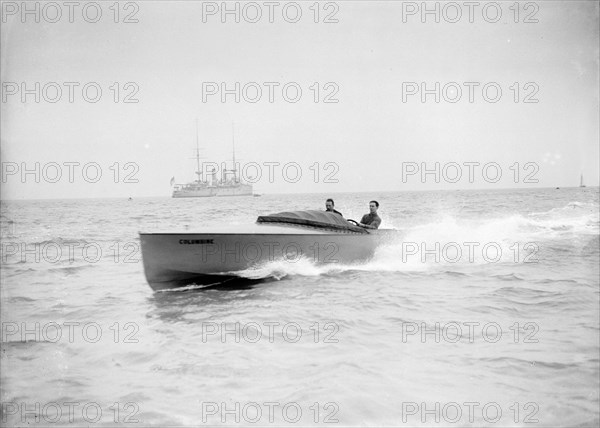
<point>299,193</point>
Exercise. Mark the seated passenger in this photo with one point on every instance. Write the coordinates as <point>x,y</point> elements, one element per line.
<point>371,220</point>
<point>329,207</point>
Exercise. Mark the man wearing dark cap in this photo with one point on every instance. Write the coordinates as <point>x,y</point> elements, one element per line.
<point>329,204</point>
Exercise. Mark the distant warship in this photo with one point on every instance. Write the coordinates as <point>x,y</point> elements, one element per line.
<point>228,185</point>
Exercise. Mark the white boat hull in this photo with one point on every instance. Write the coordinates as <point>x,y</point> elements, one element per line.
<point>179,259</point>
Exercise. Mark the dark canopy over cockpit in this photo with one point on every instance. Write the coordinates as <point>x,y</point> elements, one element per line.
<point>318,219</point>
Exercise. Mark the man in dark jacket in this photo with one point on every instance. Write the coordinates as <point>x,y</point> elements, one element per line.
<point>371,220</point>
<point>329,204</point>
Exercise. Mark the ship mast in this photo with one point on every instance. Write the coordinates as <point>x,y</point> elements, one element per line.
<point>233,168</point>
<point>198,172</point>
<point>233,152</point>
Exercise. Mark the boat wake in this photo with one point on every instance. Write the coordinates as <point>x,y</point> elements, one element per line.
<point>458,242</point>
<point>190,287</point>
<point>229,283</point>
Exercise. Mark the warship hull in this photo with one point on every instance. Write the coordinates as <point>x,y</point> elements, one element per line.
<point>212,191</point>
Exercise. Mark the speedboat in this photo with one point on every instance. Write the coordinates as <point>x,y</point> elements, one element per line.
<point>174,260</point>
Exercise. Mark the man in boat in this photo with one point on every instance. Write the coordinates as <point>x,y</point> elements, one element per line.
<point>371,220</point>
<point>329,204</point>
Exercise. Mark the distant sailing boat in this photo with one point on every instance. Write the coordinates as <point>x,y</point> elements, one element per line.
<point>226,186</point>
<point>581,182</point>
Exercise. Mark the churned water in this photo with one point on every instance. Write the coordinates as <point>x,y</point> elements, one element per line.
<point>433,331</point>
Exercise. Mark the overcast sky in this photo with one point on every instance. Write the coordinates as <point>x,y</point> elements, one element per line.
<point>373,61</point>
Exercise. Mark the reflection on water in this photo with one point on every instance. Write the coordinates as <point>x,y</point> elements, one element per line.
<point>215,299</point>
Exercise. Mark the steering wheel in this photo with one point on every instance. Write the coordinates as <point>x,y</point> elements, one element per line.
<point>352,221</point>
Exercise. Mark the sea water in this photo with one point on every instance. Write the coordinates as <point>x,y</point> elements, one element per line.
<point>483,312</point>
